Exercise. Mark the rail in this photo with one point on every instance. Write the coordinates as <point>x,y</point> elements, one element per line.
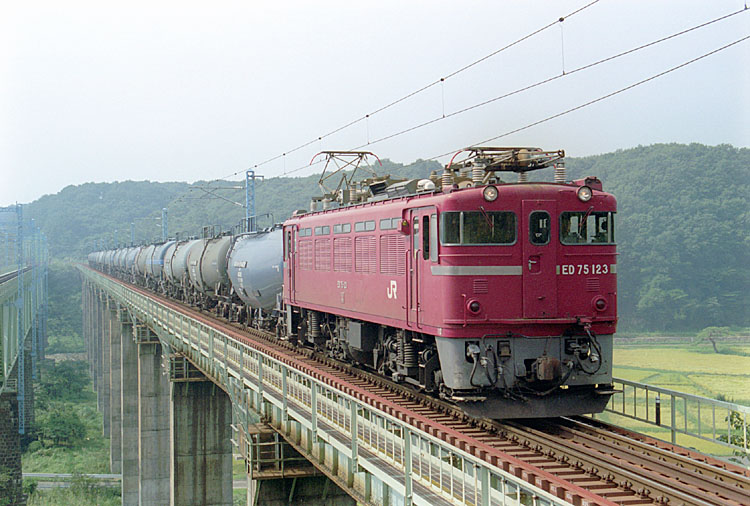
<point>416,467</point>
<point>720,422</point>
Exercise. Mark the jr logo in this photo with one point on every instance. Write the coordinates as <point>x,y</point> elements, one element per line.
<point>391,290</point>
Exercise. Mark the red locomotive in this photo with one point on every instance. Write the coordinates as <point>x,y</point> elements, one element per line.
<point>498,295</point>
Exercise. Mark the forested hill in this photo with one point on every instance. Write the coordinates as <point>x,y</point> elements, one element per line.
<point>683,228</point>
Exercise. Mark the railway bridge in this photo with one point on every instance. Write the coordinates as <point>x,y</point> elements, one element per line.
<point>23,325</point>
<point>181,391</point>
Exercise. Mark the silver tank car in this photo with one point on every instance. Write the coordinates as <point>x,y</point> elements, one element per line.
<point>256,267</point>
<point>168,255</point>
<point>144,256</point>
<point>109,259</point>
<point>176,266</point>
<point>214,264</point>
<point>156,265</point>
<point>121,253</point>
<point>207,264</point>
<point>130,259</point>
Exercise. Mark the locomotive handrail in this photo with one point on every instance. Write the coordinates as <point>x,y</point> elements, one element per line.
<point>411,461</point>
<point>691,415</point>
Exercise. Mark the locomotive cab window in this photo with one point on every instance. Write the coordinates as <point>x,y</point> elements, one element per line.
<point>539,227</point>
<point>477,227</point>
<point>587,227</point>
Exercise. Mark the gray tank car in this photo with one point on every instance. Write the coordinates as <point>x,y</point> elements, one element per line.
<point>255,268</point>
<point>155,267</point>
<point>141,262</point>
<point>130,261</point>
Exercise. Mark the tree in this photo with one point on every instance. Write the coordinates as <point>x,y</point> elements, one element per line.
<point>64,380</point>
<point>61,426</point>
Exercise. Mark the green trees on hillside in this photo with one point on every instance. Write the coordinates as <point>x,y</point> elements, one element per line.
<point>684,233</point>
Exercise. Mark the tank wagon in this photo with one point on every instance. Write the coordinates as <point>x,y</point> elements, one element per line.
<point>498,296</point>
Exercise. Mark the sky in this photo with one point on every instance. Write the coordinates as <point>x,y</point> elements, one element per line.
<point>185,91</point>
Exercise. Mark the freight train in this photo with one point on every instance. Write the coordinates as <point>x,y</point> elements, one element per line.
<point>500,296</point>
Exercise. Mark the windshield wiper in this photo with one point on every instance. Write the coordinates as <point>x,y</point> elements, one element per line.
<point>583,220</point>
<point>488,220</point>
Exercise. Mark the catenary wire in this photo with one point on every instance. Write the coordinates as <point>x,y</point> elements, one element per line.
<point>415,92</point>
<point>537,84</point>
<point>549,80</point>
<point>603,97</point>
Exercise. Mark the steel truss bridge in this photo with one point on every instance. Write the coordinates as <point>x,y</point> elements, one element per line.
<point>293,420</point>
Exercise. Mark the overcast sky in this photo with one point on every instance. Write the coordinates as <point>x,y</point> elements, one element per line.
<point>93,91</point>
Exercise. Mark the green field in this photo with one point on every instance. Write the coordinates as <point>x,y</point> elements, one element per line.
<point>690,368</point>
<point>687,368</point>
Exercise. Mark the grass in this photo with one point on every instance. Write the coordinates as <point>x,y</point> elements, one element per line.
<point>685,367</point>
<point>91,456</point>
<point>82,492</point>
<point>683,360</point>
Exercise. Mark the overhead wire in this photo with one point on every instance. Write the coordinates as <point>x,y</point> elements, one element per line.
<point>508,94</point>
<point>535,85</point>
<point>603,97</point>
<point>415,92</point>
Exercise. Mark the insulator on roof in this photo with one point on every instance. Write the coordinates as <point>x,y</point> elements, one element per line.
<point>560,172</point>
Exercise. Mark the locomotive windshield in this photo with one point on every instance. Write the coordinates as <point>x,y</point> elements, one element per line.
<point>477,227</point>
<point>587,227</point>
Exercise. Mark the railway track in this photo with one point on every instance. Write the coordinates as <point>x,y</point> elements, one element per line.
<point>584,462</point>
<point>667,473</point>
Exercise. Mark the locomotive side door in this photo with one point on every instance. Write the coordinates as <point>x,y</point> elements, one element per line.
<point>420,257</point>
<point>539,238</point>
<point>290,241</point>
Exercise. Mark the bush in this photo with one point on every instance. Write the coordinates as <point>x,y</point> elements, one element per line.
<point>61,426</point>
<point>63,380</point>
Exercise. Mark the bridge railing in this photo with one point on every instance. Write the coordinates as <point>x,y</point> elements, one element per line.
<point>417,467</point>
<point>720,422</point>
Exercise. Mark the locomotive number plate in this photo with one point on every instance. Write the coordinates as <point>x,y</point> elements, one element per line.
<point>573,269</point>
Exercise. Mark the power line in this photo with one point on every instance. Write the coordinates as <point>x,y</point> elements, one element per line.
<point>511,93</point>
<point>603,97</point>
<point>534,85</point>
<point>415,92</point>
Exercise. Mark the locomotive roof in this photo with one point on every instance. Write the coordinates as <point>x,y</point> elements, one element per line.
<point>503,188</point>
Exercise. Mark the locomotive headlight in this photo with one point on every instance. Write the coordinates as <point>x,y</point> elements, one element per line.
<point>584,193</point>
<point>489,193</point>
<point>474,306</point>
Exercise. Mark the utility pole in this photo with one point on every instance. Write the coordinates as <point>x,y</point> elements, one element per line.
<point>164,227</point>
<point>250,221</point>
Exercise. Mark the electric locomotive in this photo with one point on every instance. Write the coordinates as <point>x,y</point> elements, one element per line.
<point>500,296</point>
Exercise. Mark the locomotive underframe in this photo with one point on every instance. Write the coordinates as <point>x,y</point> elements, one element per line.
<point>492,376</point>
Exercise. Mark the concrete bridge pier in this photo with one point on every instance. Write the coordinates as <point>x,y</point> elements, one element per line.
<point>115,389</point>
<point>129,403</point>
<point>153,421</point>
<point>104,365</point>
<point>201,417</point>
